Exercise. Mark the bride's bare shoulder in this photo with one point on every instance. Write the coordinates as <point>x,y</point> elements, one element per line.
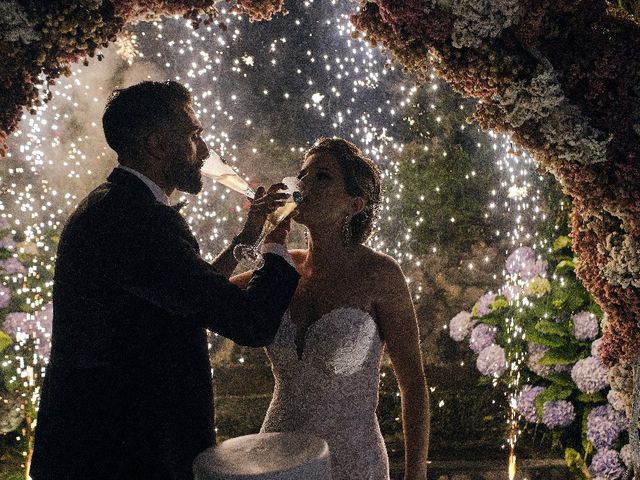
<point>382,267</point>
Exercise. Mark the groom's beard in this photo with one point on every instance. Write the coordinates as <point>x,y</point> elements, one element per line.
<point>187,176</point>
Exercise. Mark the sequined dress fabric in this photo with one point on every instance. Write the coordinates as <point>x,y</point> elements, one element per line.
<point>332,390</point>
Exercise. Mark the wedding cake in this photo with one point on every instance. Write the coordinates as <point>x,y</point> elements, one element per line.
<point>265,456</point>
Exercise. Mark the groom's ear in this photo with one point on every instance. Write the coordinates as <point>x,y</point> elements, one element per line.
<point>357,205</point>
<point>155,143</point>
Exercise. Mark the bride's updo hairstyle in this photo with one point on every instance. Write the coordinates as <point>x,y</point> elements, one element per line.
<point>361,177</point>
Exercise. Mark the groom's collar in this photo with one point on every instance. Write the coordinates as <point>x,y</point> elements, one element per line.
<point>133,182</point>
<point>158,193</point>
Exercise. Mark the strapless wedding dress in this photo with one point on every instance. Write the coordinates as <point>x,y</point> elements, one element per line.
<point>330,388</point>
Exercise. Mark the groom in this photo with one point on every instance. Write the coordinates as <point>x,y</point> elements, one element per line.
<point>127,393</point>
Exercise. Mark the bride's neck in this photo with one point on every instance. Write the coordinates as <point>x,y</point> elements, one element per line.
<point>326,250</point>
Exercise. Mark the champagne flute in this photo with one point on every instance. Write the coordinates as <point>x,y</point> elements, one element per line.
<point>220,171</point>
<point>250,252</point>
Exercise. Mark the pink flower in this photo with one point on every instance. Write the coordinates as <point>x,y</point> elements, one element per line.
<point>5,296</point>
<point>12,265</point>
<point>492,361</point>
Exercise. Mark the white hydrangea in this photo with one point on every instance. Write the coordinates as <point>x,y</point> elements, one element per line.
<point>567,132</point>
<point>14,24</point>
<point>616,400</point>
<point>623,260</point>
<point>460,326</point>
<point>476,20</point>
<point>585,325</point>
<point>533,98</point>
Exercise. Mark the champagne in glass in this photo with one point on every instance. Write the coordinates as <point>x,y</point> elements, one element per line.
<point>217,169</point>
<point>276,217</point>
<point>250,252</point>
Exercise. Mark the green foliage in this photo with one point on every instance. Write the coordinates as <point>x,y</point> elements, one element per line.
<point>631,6</point>
<point>547,340</point>
<point>576,463</point>
<point>564,355</point>
<point>591,397</point>
<point>552,328</point>
<point>560,379</point>
<point>5,341</point>
<point>561,243</point>
<point>445,175</point>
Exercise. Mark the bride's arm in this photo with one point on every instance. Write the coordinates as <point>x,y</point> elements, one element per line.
<point>399,326</point>
<point>242,279</point>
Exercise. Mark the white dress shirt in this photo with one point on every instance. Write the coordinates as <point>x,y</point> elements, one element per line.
<point>153,186</point>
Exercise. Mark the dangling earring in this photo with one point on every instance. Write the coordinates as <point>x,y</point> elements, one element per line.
<point>346,231</point>
<point>306,236</point>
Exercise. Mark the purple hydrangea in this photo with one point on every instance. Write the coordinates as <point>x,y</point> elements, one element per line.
<point>482,307</point>
<point>21,326</point>
<point>511,292</point>
<point>585,326</point>
<point>522,262</point>
<point>460,326</point>
<point>589,375</point>
<point>626,454</point>
<point>15,321</point>
<point>604,425</point>
<point>525,403</point>
<point>44,323</point>
<point>533,363</point>
<point>616,400</point>
<point>492,361</point>
<point>482,336</point>
<point>594,347</point>
<point>607,464</point>
<point>7,243</point>
<point>558,413</point>
<point>12,265</point>
<point>4,224</point>
<point>5,296</point>
<point>44,317</point>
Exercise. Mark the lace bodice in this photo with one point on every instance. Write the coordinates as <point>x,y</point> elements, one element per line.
<point>331,390</point>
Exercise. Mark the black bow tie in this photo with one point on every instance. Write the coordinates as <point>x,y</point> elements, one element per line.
<point>178,206</point>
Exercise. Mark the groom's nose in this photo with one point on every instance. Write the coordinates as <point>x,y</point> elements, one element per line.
<point>203,150</point>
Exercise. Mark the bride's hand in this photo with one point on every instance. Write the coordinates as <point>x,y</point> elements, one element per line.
<point>281,233</point>
<point>262,205</point>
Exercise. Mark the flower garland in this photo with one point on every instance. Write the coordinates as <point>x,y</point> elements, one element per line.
<point>565,384</point>
<point>563,78</point>
<point>38,40</point>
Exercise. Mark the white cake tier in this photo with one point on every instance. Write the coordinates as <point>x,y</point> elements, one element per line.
<point>266,456</point>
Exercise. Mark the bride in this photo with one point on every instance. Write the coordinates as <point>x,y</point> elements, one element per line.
<point>351,302</point>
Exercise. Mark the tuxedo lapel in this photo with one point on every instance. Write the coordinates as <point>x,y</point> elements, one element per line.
<point>136,191</point>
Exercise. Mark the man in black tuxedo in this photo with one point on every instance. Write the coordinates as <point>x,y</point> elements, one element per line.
<point>128,393</point>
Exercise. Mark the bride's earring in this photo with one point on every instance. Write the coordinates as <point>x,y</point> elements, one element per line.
<point>346,231</point>
<point>306,236</point>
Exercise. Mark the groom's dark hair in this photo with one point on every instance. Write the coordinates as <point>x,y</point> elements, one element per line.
<point>361,177</point>
<point>132,113</point>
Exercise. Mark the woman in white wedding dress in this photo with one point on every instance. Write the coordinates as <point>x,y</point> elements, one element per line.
<point>351,302</point>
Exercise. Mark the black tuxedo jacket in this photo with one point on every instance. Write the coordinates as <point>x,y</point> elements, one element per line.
<point>127,393</point>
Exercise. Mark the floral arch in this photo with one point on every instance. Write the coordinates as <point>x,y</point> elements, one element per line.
<point>563,78</point>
